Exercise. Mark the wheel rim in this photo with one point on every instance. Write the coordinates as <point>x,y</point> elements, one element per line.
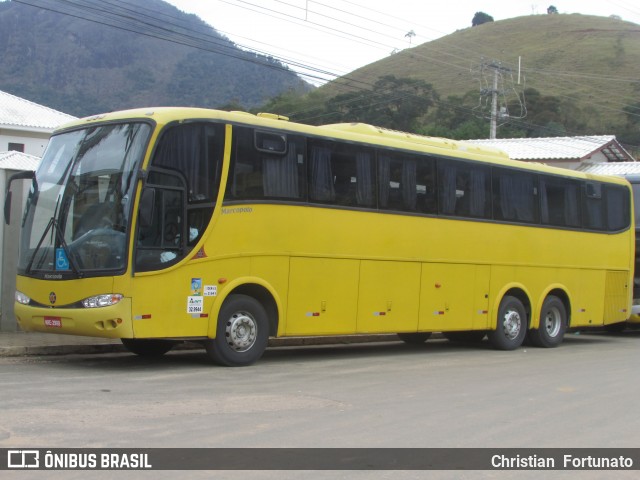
<point>241,331</point>
<point>552,322</point>
<point>511,324</point>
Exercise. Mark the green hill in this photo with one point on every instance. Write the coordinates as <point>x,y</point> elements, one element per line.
<point>54,55</point>
<point>590,65</point>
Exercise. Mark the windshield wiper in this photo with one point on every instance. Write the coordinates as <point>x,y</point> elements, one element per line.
<point>53,224</point>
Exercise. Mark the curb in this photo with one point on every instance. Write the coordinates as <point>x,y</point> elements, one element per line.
<point>37,350</point>
<point>34,350</point>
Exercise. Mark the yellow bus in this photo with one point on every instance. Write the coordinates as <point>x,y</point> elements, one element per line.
<point>162,225</point>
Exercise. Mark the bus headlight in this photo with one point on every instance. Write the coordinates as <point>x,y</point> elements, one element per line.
<point>102,300</point>
<point>22,298</point>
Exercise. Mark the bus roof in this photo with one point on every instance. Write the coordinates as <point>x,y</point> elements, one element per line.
<point>355,132</point>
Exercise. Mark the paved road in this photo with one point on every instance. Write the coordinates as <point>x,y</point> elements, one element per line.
<point>583,394</point>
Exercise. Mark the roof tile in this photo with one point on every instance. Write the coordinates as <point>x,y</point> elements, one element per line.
<point>18,161</point>
<point>558,148</point>
<point>17,112</point>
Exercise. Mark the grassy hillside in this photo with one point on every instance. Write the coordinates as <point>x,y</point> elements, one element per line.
<point>592,61</point>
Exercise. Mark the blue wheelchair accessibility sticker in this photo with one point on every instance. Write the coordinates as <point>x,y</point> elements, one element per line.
<point>62,262</point>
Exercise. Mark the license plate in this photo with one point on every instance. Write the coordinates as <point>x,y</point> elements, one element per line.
<point>53,322</point>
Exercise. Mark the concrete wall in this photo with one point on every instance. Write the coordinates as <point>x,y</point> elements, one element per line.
<point>10,241</point>
<point>34,142</point>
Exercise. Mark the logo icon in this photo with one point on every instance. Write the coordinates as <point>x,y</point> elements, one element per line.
<point>23,459</point>
<point>62,261</point>
<point>52,297</point>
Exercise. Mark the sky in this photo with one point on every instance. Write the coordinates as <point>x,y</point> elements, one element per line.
<point>336,37</point>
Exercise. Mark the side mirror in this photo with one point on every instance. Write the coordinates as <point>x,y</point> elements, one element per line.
<point>7,207</point>
<point>28,175</point>
<point>146,207</point>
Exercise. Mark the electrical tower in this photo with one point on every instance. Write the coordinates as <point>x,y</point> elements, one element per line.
<point>496,83</point>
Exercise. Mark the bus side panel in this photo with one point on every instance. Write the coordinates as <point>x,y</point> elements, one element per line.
<point>176,302</point>
<point>616,292</point>
<point>323,296</point>
<point>454,297</point>
<point>274,270</point>
<point>389,297</point>
<point>587,302</point>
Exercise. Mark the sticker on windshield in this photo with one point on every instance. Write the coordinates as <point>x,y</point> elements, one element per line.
<point>62,262</point>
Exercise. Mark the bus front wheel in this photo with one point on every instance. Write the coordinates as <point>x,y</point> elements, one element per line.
<point>553,324</point>
<point>242,333</point>
<point>511,327</point>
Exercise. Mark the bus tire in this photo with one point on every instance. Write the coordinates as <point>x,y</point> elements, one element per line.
<point>511,327</point>
<point>414,338</point>
<point>242,333</point>
<point>147,348</point>
<point>466,336</point>
<point>553,324</point>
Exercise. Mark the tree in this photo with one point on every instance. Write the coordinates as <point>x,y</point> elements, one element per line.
<point>630,133</point>
<point>547,116</point>
<point>397,103</point>
<point>479,18</point>
<point>410,34</point>
<point>454,118</point>
<point>552,10</point>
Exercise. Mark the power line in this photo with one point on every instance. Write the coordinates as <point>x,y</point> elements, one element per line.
<point>127,19</point>
<point>123,22</point>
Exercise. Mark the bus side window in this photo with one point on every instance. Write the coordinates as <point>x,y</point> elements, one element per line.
<point>426,188</point>
<point>464,189</point>
<point>559,201</point>
<point>266,166</point>
<point>618,208</point>
<point>341,174</point>
<point>593,203</point>
<point>282,173</point>
<point>515,196</point>
<point>321,188</point>
<point>406,183</point>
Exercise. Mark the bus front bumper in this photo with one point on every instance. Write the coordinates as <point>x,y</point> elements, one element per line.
<point>113,321</point>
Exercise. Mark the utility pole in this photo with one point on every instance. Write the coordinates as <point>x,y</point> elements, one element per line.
<point>497,70</point>
<point>494,107</point>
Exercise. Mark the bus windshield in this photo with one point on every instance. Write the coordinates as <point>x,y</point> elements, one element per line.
<point>79,207</point>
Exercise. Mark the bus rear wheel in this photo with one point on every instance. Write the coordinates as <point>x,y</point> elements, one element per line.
<point>553,324</point>
<point>242,333</point>
<point>511,327</point>
<point>147,348</point>
<point>414,338</point>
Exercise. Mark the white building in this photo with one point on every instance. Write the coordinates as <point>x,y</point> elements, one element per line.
<point>25,128</point>
<point>620,169</point>
<point>566,152</point>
